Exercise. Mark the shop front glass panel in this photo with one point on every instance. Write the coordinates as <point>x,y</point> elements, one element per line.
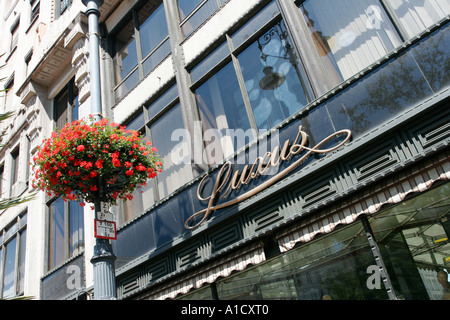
<point>414,240</point>
<point>177,168</point>
<point>418,15</point>
<point>433,58</point>
<point>331,267</point>
<point>223,115</point>
<point>273,78</point>
<point>349,38</point>
<point>142,198</point>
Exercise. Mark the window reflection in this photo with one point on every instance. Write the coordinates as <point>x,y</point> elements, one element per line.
<point>333,267</point>
<point>153,29</point>
<point>222,112</point>
<point>418,15</point>
<point>204,11</point>
<point>176,165</point>
<point>9,269</point>
<point>414,239</point>
<point>66,230</point>
<point>362,35</point>
<point>56,237</point>
<point>272,78</point>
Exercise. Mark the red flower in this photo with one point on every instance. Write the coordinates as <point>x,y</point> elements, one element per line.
<point>80,148</point>
<point>116,162</point>
<point>99,163</point>
<point>129,172</point>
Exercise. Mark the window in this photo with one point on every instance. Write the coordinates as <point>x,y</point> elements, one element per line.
<point>140,45</point>
<point>273,77</point>
<point>15,165</point>
<point>62,6</point>
<point>194,12</point>
<point>14,35</point>
<point>260,84</point>
<point>333,267</point>
<point>66,105</point>
<point>12,257</point>
<point>35,9</point>
<point>66,231</point>
<point>417,16</point>
<point>165,129</point>
<point>223,113</point>
<point>361,35</point>
<point>9,95</point>
<point>27,59</point>
<point>414,242</point>
<point>177,170</point>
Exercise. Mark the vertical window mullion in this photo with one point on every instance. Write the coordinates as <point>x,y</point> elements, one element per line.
<point>66,230</point>
<point>2,262</point>
<point>138,44</point>
<point>16,264</point>
<point>240,77</point>
<point>395,21</point>
<point>154,181</point>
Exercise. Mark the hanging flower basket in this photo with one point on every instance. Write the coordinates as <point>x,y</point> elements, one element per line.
<point>94,160</point>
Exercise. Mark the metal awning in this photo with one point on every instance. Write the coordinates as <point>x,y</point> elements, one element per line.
<point>238,261</point>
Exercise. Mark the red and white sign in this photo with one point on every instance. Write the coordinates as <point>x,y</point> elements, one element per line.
<point>105,229</point>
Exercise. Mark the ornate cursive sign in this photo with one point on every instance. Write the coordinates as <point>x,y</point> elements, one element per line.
<point>223,185</point>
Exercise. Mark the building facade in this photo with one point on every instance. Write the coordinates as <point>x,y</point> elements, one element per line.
<point>305,148</point>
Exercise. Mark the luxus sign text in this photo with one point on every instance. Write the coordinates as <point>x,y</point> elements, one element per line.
<point>228,179</point>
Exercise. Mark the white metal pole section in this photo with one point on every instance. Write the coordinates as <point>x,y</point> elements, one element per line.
<point>103,259</point>
<point>93,14</point>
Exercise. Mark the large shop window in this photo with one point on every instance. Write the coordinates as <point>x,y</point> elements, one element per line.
<point>413,238</point>
<point>361,35</point>
<point>223,113</point>
<point>333,267</point>
<point>414,241</point>
<point>273,77</point>
<point>261,84</point>
<point>140,45</point>
<point>66,231</point>
<point>12,257</point>
<point>416,16</point>
<point>166,130</point>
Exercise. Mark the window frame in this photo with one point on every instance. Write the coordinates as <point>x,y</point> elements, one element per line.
<point>50,261</point>
<point>59,9</point>
<point>20,224</point>
<point>228,51</point>
<point>71,102</point>
<point>133,17</point>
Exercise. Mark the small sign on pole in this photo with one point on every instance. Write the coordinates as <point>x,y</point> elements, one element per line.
<point>104,214</point>
<point>105,229</point>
